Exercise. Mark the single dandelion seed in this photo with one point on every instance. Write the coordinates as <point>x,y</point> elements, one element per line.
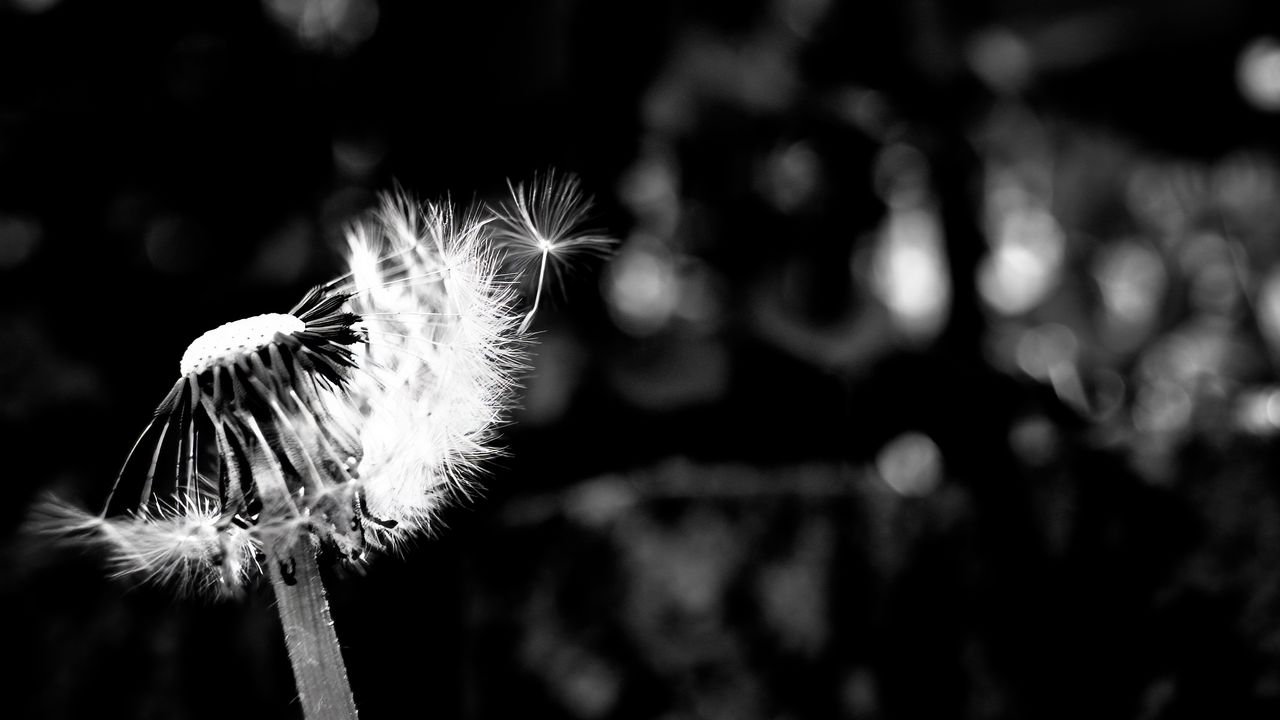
<point>541,224</point>
<point>340,428</point>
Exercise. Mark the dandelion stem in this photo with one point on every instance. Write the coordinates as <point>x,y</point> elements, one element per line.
<point>318,670</point>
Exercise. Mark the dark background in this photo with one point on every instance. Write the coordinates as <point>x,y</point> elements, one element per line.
<point>935,374</point>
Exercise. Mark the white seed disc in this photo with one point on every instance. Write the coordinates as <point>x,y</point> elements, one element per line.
<point>239,337</point>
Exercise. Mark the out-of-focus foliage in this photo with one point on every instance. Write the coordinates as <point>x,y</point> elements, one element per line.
<point>729,591</point>
<point>1103,540</point>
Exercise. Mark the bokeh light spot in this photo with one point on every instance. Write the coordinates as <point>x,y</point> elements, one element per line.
<point>1257,411</point>
<point>285,253</point>
<point>19,238</point>
<point>791,176</point>
<point>641,287</point>
<point>173,245</point>
<point>1131,278</point>
<point>335,25</point>
<point>911,464</point>
<point>1258,73</point>
<point>1034,440</point>
<point>1162,407</point>
<point>34,7</point>
<point>1001,59</point>
<point>1043,349</point>
<point>910,272</point>
<point>358,158</point>
<point>1024,264</point>
<point>1268,308</point>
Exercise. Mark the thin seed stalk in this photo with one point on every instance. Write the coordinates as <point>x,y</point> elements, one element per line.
<point>318,669</point>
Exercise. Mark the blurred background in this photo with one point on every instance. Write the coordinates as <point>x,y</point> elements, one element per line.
<point>937,372</point>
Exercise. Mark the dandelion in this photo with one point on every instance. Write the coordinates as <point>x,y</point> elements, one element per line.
<point>338,429</point>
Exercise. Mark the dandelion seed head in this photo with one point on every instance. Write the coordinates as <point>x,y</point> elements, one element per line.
<point>349,422</point>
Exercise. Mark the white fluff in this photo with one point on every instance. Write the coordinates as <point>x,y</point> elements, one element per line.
<point>438,365</point>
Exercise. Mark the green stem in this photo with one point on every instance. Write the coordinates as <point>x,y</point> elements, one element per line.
<point>318,670</point>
